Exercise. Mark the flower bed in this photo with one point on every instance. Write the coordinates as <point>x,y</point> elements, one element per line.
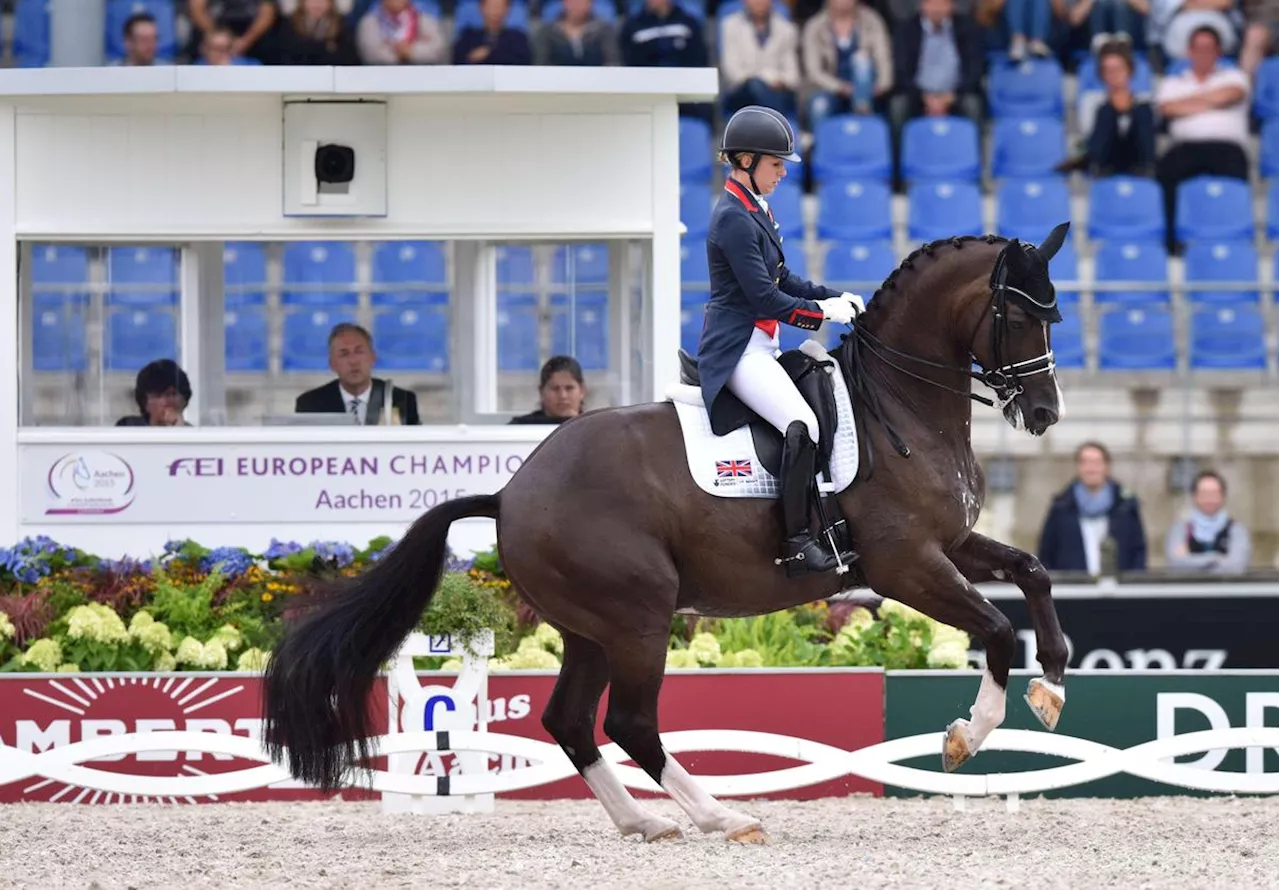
<point>193,608</point>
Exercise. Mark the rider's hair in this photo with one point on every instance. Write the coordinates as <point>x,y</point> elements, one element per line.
<point>1097,446</point>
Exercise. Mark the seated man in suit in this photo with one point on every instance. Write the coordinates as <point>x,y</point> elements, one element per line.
<point>356,392</point>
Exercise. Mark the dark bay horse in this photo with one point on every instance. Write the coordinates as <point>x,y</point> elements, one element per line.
<point>606,535</point>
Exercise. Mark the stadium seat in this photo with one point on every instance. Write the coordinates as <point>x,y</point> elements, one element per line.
<point>1031,88</point>
<point>785,205</point>
<point>1269,149</point>
<point>118,12</point>
<point>852,146</point>
<point>247,336</point>
<point>940,148</point>
<point>695,150</point>
<point>244,273</point>
<point>604,10</point>
<point>1030,208</point>
<point>142,276</point>
<point>515,267</point>
<point>581,264</point>
<point>1273,214</point>
<point>693,263</point>
<point>32,38</point>
<point>1063,268</point>
<point>1126,208</point>
<point>1266,101</point>
<point>467,15</point>
<point>137,336</point>
<point>517,332</point>
<point>695,207</point>
<point>319,273</point>
<point>943,209</point>
<point>854,210</point>
<point>1067,338</point>
<point>414,336</point>
<point>1132,262</point>
<point>58,334</point>
<point>1228,336</point>
<point>1213,207</point>
<point>692,304</point>
<point>419,267</point>
<point>1136,338</point>
<point>58,264</point>
<point>1026,146</point>
<point>859,268</point>
<point>580,328</point>
<point>1142,84</point>
<point>1209,261</point>
<point>306,336</point>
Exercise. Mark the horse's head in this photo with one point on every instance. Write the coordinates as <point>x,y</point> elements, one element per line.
<point>1012,343</point>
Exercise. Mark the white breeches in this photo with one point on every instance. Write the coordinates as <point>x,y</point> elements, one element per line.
<point>764,387</point>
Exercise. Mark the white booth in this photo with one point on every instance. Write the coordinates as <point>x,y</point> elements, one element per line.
<point>494,217</point>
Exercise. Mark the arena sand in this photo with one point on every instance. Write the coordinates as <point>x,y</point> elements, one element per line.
<point>857,842</point>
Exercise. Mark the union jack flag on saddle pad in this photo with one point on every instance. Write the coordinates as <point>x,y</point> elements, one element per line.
<point>734,469</point>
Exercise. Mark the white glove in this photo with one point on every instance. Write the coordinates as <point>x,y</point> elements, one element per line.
<point>856,301</point>
<point>837,309</point>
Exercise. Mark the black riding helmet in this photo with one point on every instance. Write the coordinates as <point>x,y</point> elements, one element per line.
<point>757,131</point>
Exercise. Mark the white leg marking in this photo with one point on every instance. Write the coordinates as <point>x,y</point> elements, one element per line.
<point>706,812</point>
<point>987,711</point>
<point>623,809</point>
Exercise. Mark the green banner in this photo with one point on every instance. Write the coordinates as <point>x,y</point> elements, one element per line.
<point>1121,709</point>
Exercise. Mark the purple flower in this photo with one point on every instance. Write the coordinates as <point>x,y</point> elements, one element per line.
<point>278,549</point>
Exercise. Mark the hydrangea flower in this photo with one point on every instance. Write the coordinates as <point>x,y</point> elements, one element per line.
<point>229,561</point>
<point>334,551</point>
<point>745,658</point>
<point>7,630</point>
<point>549,638</point>
<point>229,636</point>
<point>253,660</point>
<point>45,654</point>
<point>213,656</point>
<point>96,622</point>
<point>31,558</point>
<point>681,658</point>
<point>166,662</point>
<point>950,655</point>
<point>190,651</point>
<point>859,620</point>
<point>705,648</point>
<point>153,635</point>
<point>278,549</point>
<point>68,668</point>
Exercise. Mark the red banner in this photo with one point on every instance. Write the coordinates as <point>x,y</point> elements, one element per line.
<point>840,708</point>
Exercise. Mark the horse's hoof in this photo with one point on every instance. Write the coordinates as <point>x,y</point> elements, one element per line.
<point>956,747</point>
<point>749,834</point>
<point>670,833</point>
<point>1045,700</point>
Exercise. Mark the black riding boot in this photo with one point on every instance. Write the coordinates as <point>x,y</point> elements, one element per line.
<point>801,552</point>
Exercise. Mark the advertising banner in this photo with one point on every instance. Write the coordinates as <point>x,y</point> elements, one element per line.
<point>1120,710</point>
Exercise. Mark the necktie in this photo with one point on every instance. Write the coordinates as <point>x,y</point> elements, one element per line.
<point>355,411</point>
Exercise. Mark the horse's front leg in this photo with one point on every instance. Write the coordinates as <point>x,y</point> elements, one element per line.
<point>981,559</point>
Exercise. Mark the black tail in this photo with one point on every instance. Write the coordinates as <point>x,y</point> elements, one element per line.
<point>316,686</point>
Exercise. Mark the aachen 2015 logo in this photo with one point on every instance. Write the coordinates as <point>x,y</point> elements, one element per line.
<point>89,482</point>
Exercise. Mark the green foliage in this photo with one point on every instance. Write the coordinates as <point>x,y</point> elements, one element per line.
<point>487,561</point>
<point>187,610</point>
<point>780,640</point>
<point>463,608</point>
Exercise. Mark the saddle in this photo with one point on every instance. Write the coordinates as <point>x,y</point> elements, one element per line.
<point>729,413</point>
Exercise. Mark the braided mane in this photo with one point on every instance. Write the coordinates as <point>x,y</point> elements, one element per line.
<point>928,250</point>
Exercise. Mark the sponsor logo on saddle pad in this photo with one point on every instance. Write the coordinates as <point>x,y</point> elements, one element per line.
<point>729,471</point>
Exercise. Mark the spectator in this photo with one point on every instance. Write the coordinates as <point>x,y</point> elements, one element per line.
<point>494,43</point>
<point>215,49</point>
<point>561,392</point>
<point>1172,23</point>
<point>1208,539</point>
<point>1107,19</point>
<point>1091,509</point>
<point>162,392</point>
<point>1029,23</point>
<point>316,33</point>
<point>141,39</point>
<point>395,33</point>
<point>250,21</point>
<point>1207,107</point>
<point>937,65</point>
<point>1261,18</point>
<point>357,393</point>
<point>759,59</point>
<point>1123,139</point>
<point>663,35</point>
<point>577,37</point>
<point>847,59</point>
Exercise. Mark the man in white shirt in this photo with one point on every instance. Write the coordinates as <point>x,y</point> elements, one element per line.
<point>1207,107</point>
<point>356,393</point>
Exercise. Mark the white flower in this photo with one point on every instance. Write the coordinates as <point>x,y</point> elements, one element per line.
<point>7,630</point>
<point>859,619</point>
<point>705,648</point>
<point>549,638</point>
<point>745,658</point>
<point>531,658</point>
<point>949,655</point>
<point>893,607</point>
<point>213,656</point>
<point>945,633</point>
<point>97,623</point>
<point>453,664</point>
<point>229,636</point>
<point>68,668</point>
<point>190,652</point>
<point>45,654</point>
<point>166,662</point>
<point>681,658</point>
<point>252,659</point>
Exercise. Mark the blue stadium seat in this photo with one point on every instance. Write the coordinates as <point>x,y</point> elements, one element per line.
<point>244,273</point>
<point>142,276</point>
<point>1273,213</point>
<point>1063,268</point>
<point>517,332</point>
<point>1028,146</point>
<point>943,209</point>
<point>58,334</point>
<point>1228,336</point>
<point>940,148</point>
<point>581,264</point>
<point>1208,261</point>
<point>1143,82</point>
<point>785,205</point>
<point>604,10</point>
<point>136,336</point>
<point>693,263</point>
<point>851,266</point>
<point>1030,208</point>
<point>1214,207</point>
<point>1125,207</point>
<point>118,12</point>
<point>852,146</point>
<point>414,336</point>
<point>31,33</point>
<point>1269,149</point>
<point>854,210</point>
<point>1132,262</point>
<point>695,206</point>
<point>580,328</point>
<point>247,338</point>
<point>1067,338</point>
<point>515,267</point>
<point>430,7</point>
<point>1136,338</point>
<point>306,336</point>
<point>319,273</point>
<point>417,265</point>
<point>1266,100</point>
<point>467,15</point>
<point>58,264</point>
<point>695,149</point>
<point>691,312</point>
<point>1032,88</point>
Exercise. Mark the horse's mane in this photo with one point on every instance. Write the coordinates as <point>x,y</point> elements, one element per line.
<point>927,250</point>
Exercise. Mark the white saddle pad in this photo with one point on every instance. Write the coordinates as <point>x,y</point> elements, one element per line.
<point>728,466</point>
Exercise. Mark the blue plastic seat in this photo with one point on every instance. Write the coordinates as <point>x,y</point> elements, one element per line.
<point>1273,213</point>
<point>517,332</point>
<point>604,10</point>
<point>413,336</point>
<point>580,328</point>
<point>515,267</point>
<point>319,273</point>
<point>1269,149</point>
<point>244,273</point>
<point>695,149</point>
<point>1213,207</point>
<point>55,267</point>
<point>1228,336</point>
<point>467,15</point>
<point>32,37</point>
<point>1126,208</point>
<point>1266,97</point>
<point>306,336</point>
<point>692,304</point>
<point>418,267</point>
<point>785,204</point>
<point>1031,88</point>
<point>1026,146</point>
<point>118,12</point>
<point>1136,338</point>
<point>854,210</point>
<point>695,207</point>
<point>1209,261</point>
<point>1132,262</point>
<point>247,338</point>
<point>142,276</point>
<point>137,336</point>
<point>852,146</point>
<point>581,264</point>
<point>1067,338</point>
<point>943,209</point>
<point>693,263</point>
<point>1030,208</point>
<point>58,333</point>
<point>858,267</point>
<point>940,148</point>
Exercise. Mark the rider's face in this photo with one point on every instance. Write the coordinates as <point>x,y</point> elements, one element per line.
<point>769,173</point>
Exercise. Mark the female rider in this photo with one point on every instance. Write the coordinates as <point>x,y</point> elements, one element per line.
<point>751,292</point>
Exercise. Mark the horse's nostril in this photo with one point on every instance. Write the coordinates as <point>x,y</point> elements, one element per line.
<point>1045,416</point>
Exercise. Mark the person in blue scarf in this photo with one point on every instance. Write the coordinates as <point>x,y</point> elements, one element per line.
<point>1208,539</point>
<point>1093,508</point>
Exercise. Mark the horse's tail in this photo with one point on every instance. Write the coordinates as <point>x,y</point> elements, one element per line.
<point>316,688</point>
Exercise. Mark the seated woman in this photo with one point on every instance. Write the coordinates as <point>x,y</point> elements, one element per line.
<point>162,392</point>
<point>1123,139</point>
<point>561,392</point>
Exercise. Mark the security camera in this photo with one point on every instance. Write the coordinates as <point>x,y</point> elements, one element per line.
<point>335,164</point>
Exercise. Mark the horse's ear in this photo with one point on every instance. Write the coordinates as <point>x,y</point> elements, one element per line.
<point>1053,243</point>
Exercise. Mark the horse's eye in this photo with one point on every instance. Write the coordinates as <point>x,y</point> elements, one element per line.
<point>1015,325</point>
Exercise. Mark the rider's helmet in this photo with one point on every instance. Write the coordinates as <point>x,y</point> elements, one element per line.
<point>759,131</point>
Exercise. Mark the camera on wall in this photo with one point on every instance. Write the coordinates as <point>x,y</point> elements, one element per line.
<point>322,141</point>
<point>335,164</point>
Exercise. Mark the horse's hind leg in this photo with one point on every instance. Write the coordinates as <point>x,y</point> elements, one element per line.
<point>570,717</point>
<point>980,559</point>
<point>636,666</point>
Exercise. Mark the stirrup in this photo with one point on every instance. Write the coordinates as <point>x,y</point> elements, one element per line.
<point>804,555</point>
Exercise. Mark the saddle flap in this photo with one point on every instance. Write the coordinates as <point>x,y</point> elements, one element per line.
<point>688,369</point>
